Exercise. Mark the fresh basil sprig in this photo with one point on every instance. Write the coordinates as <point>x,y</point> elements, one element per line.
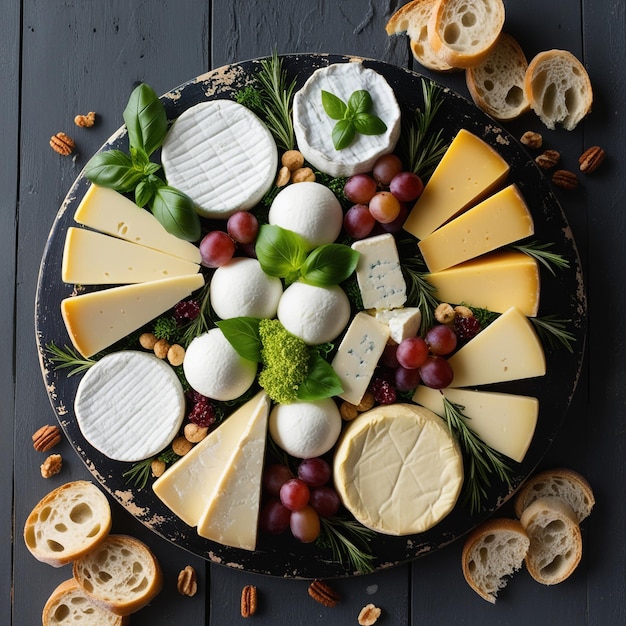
<point>243,335</point>
<point>353,117</point>
<point>284,254</point>
<point>146,123</point>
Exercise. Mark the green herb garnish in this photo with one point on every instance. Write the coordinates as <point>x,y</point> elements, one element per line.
<point>352,117</point>
<point>200,324</point>
<point>348,541</point>
<point>553,331</point>
<point>541,252</point>
<point>139,473</point>
<point>68,358</point>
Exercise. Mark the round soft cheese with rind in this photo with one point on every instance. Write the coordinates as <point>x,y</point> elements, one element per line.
<point>130,405</point>
<point>397,469</point>
<point>313,127</point>
<point>222,156</point>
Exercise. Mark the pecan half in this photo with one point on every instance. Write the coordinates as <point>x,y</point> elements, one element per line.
<point>248,601</point>
<point>323,593</point>
<point>565,179</point>
<point>187,581</point>
<point>591,159</point>
<point>548,159</point>
<point>46,437</point>
<point>369,615</point>
<point>62,144</point>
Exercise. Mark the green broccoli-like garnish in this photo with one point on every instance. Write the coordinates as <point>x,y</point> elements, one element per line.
<point>285,360</point>
<point>166,328</point>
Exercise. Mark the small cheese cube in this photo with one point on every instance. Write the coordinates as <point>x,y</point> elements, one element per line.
<point>402,323</point>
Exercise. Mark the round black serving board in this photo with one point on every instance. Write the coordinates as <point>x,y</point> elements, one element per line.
<point>562,295</point>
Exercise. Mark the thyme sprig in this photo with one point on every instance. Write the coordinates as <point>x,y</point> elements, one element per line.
<point>541,252</point>
<point>347,541</point>
<point>67,357</point>
<point>482,461</point>
<point>553,331</point>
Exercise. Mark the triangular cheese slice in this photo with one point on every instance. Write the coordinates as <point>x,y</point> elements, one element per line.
<point>231,515</point>
<point>187,486</point>
<point>96,320</point>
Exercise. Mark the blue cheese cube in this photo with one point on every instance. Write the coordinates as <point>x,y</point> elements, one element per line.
<point>402,323</point>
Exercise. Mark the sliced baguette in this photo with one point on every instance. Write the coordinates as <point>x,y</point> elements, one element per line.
<point>67,523</point>
<point>558,88</point>
<point>563,483</point>
<point>497,84</point>
<point>463,32</point>
<point>492,553</point>
<point>121,574</point>
<point>69,604</point>
<point>555,540</point>
<point>412,19</point>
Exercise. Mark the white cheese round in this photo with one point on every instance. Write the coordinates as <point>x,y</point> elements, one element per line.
<point>398,470</point>
<point>221,155</point>
<point>313,127</point>
<point>129,405</point>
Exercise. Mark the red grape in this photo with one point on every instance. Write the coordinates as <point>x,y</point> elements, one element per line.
<point>389,357</point>
<point>243,227</point>
<point>325,501</point>
<point>274,477</point>
<point>386,167</point>
<point>216,249</point>
<point>412,352</point>
<point>406,379</point>
<point>406,186</point>
<point>384,207</point>
<point>436,372</point>
<point>274,518</point>
<point>360,188</point>
<point>305,524</point>
<point>358,221</point>
<point>315,472</point>
<point>294,494</point>
<point>396,225</point>
<point>441,339</point>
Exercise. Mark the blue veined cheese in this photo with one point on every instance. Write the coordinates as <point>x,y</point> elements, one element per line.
<point>358,355</point>
<point>313,127</point>
<point>403,323</point>
<point>222,156</point>
<point>379,274</point>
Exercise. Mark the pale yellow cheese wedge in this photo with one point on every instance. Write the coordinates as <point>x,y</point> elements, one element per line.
<point>508,349</point>
<point>495,281</point>
<point>469,170</point>
<point>504,421</point>
<point>497,221</point>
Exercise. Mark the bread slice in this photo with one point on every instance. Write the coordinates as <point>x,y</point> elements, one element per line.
<point>492,553</point>
<point>463,32</point>
<point>67,523</point>
<point>564,483</point>
<point>497,84</point>
<point>121,574</point>
<point>412,19</point>
<point>558,88</point>
<point>68,604</point>
<point>555,540</point>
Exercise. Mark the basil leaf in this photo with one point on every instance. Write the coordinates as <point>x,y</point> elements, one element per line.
<point>368,124</point>
<point>343,134</point>
<point>145,190</point>
<point>360,102</point>
<point>176,212</point>
<point>145,119</point>
<point>113,169</point>
<point>243,335</point>
<point>139,157</point>
<point>329,264</point>
<point>280,252</point>
<point>334,107</point>
<point>321,381</point>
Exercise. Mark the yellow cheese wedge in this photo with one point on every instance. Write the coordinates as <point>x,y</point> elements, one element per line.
<point>96,320</point>
<point>188,485</point>
<point>470,169</point>
<point>231,514</point>
<point>497,221</point>
<point>508,349</point>
<point>495,282</point>
<point>505,422</point>
<point>112,213</point>
<point>398,469</point>
<point>91,258</point>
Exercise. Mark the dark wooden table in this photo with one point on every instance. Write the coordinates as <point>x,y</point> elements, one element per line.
<point>62,57</point>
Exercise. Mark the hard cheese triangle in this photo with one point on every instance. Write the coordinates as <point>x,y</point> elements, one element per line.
<point>187,486</point>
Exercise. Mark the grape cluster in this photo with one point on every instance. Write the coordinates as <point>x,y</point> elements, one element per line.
<point>298,502</point>
<point>380,197</point>
<point>218,247</point>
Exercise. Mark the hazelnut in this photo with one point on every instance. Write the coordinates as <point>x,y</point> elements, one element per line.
<point>147,341</point>
<point>303,175</point>
<point>444,313</point>
<point>348,411</point>
<point>463,311</point>
<point>176,355</point>
<point>161,348</point>
<point>181,446</point>
<point>195,433</point>
<point>367,402</point>
<point>157,467</point>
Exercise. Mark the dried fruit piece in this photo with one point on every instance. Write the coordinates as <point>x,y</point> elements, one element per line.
<point>565,179</point>
<point>591,159</point>
<point>323,593</point>
<point>62,143</point>
<point>46,438</point>
<point>187,581</point>
<point>248,601</point>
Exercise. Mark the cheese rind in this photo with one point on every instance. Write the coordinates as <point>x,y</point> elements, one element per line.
<point>129,405</point>
<point>469,169</point>
<point>505,422</point>
<point>91,258</point>
<point>112,213</point>
<point>96,320</point>
<point>495,282</point>
<point>497,221</point>
<point>397,469</point>
<point>507,349</point>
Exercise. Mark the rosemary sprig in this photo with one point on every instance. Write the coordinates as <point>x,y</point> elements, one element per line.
<point>139,473</point>
<point>482,461</point>
<point>553,331</point>
<point>423,150</point>
<point>541,252</point>
<point>342,536</point>
<point>68,358</point>
<point>202,322</point>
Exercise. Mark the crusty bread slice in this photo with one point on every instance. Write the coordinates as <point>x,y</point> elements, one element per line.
<point>492,553</point>
<point>555,540</point>
<point>412,19</point>
<point>121,574</point>
<point>67,523</point>
<point>69,604</point>
<point>463,32</point>
<point>558,88</point>
<point>563,483</point>
<point>497,84</point>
